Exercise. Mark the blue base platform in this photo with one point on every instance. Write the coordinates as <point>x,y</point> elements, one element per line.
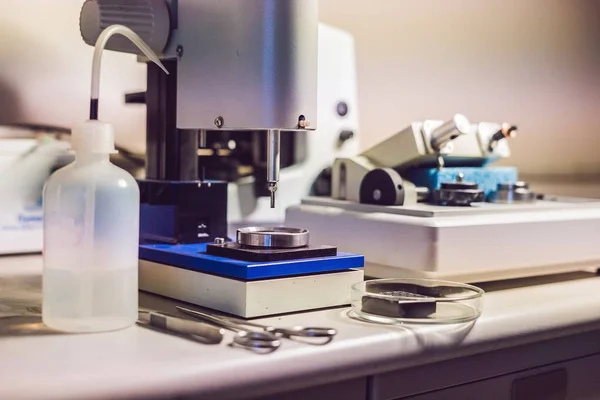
<point>193,257</point>
<point>487,178</point>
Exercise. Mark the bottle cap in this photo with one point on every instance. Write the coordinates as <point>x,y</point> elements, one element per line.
<point>93,137</point>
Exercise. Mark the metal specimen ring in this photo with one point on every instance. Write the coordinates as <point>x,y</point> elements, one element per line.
<point>278,237</point>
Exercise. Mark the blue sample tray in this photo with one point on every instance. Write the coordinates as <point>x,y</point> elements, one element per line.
<point>193,257</point>
<point>487,178</point>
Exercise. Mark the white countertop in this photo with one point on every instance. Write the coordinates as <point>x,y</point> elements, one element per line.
<point>38,364</point>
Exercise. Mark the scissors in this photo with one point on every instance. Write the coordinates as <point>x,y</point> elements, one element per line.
<point>268,338</point>
<point>165,322</point>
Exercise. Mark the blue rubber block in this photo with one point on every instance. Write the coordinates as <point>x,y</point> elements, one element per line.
<point>193,257</point>
<point>487,178</point>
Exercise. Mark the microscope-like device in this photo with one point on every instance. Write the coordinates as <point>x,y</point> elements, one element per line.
<point>429,202</point>
<point>241,72</point>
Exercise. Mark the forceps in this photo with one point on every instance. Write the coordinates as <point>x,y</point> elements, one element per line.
<point>267,338</point>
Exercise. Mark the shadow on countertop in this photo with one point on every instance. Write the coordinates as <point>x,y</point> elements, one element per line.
<point>20,307</point>
<point>534,281</point>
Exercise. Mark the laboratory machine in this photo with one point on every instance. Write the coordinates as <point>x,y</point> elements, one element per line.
<point>305,157</point>
<point>238,156</point>
<point>428,201</point>
<point>239,103</point>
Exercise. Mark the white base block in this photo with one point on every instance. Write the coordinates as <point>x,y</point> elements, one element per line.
<point>483,243</point>
<point>249,299</point>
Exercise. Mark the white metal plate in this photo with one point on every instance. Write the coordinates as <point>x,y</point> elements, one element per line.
<point>473,247</point>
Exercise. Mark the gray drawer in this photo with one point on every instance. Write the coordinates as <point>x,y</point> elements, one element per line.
<point>355,389</point>
<point>572,380</point>
<point>423,379</point>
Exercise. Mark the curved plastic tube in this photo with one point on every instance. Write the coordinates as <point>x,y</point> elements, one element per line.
<point>99,47</point>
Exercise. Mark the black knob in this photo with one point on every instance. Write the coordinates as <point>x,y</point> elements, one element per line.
<point>459,193</point>
<point>345,135</point>
<point>383,187</point>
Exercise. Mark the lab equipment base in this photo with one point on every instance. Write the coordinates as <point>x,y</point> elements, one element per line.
<point>249,298</point>
<point>484,242</point>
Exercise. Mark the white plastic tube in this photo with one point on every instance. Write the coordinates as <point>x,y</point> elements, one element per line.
<point>99,48</point>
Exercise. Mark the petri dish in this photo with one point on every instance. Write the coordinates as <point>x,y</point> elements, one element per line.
<point>417,301</point>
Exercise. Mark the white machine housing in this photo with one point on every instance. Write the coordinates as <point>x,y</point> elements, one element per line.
<point>481,243</point>
<point>336,82</point>
<point>486,241</point>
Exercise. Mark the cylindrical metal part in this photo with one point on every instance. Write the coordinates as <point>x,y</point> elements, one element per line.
<point>382,186</point>
<point>279,237</point>
<point>458,193</point>
<point>513,186</point>
<point>273,155</point>
<point>202,140</point>
<point>449,130</point>
<point>273,162</point>
<point>148,18</point>
<point>509,193</point>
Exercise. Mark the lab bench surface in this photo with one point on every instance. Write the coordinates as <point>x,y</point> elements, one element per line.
<point>537,338</point>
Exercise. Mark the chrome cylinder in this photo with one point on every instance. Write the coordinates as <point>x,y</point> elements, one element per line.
<point>273,155</point>
<point>278,237</point>
<point>202,138</point>
<point>449,130</point>
<point>273,162</point>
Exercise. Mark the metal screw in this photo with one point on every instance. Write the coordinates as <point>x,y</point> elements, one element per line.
<point>219,240</point>
<point>376,194</point>
<point>302,122</point>
<point>219,122</point>
<point>460,177</point>
<point>179,50</point>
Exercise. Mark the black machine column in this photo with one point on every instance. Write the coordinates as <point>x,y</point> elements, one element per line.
<point>175,206</point>
<point>171,153</point>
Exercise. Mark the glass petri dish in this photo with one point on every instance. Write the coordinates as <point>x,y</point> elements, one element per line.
<point>417,301</point>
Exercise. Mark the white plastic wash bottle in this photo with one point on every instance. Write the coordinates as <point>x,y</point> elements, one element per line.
<point>91,225</point>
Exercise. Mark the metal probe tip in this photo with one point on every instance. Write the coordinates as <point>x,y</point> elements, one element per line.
<point>272,189</point>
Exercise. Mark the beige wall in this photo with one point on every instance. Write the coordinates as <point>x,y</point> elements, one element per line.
<point>45,71</point>
<point>535,63</point>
